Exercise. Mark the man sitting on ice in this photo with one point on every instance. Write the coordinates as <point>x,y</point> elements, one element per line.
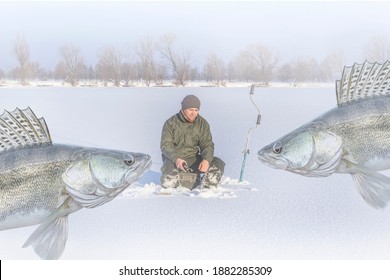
<point>187,146</point>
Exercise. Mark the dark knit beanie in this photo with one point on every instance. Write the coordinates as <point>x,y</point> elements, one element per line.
<point>190,101</point>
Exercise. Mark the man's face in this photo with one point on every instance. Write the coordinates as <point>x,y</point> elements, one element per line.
<point>191,114</point>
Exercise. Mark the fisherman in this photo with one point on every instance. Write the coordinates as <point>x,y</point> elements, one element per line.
<point>187,146</point>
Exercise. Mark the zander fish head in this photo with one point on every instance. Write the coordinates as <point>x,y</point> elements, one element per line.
<point>97,176</point>
<point>304,151</point>
<point>117,170</point>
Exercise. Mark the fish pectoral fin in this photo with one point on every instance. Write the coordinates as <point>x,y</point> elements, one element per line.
<point>373,186</point>
<point>49,239</point>
<point>88,200</point>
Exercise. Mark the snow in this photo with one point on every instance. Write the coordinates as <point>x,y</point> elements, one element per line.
<point>227,189</point>
<point>272,214</point>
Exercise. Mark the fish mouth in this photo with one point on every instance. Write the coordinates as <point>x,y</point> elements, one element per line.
<point>145,165</point>
<point>265,158</point>
<point>270,161</point>
<point>262,157</point>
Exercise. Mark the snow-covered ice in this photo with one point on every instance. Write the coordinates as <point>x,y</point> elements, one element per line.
<point>273,214</point>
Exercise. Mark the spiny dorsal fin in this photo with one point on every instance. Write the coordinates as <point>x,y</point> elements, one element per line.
<point>22,128</point>
<point>360,81</point>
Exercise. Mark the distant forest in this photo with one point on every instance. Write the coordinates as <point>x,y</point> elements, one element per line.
<point>156,61</point>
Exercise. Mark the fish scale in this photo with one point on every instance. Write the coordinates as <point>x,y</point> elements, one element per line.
<point>364,127</point>
<point>16,184</point>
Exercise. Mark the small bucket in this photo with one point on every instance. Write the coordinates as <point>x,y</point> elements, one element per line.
<point>187,180</point>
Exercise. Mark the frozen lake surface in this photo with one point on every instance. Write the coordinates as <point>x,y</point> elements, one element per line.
<point>275,215</point>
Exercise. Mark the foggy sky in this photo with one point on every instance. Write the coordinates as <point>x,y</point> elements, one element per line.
<point>293,29</point>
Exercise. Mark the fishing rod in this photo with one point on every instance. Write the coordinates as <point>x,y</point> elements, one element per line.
<point>246,149</point>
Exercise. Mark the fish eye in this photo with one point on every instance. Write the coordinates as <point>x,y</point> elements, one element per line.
<point>277,148</point>
<point>128,160</point>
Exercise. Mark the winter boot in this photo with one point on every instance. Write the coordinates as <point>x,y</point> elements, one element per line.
<point>171,180</point>
<point>211,178</point>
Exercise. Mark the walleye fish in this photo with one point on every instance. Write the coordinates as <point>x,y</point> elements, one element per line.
<point>42,183</point>
<point>352,138</point>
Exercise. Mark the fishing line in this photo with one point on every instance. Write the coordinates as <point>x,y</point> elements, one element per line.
<point>246,148</point>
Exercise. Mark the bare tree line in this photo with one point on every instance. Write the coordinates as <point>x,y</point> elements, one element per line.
<point>155,61</point>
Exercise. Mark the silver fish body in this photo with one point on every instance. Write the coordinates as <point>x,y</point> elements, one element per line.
<point>30,184</point>
<point>42,183</point>
<point>33,181</point>
<point>352,138</point>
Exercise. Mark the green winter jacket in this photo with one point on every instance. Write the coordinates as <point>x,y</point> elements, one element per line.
<point>181,139</point>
